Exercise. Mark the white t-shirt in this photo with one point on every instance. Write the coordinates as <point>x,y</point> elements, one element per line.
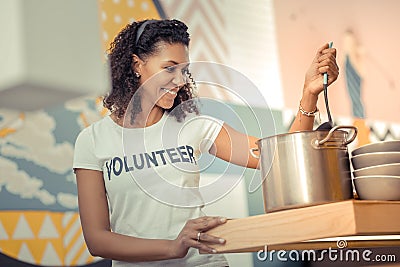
<point>151,177</point>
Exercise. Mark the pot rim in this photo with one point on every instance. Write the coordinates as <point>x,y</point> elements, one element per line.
<point>294,133</point>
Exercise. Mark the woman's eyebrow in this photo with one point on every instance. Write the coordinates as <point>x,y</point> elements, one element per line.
<point>176,63</point>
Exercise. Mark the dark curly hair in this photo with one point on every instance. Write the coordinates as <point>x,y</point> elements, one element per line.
<point>144,42</point>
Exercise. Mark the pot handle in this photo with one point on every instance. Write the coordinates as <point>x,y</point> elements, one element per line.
<point>348,141</point>
<point>252,152</point>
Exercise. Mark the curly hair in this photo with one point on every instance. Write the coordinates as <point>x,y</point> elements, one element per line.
<point>144,42</point>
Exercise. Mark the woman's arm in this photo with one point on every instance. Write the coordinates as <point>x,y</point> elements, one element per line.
<point>93,209</point>
<point>101,241</point>
<point>324,61</point>
<point>233,146</point>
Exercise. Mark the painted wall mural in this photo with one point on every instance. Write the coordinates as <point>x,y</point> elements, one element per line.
<point>39,222</point>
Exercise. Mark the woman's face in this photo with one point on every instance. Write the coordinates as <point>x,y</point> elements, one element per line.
<point>163,74</point>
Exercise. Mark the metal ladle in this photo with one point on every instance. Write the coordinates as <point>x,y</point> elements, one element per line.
<point>329,124</point>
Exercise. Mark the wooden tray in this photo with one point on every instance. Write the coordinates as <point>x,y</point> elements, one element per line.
<point>303,228</point>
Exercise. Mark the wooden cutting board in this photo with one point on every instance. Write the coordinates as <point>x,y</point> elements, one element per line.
<point>303,228</point>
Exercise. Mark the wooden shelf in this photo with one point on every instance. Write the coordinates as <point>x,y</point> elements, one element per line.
<point>303,228</point>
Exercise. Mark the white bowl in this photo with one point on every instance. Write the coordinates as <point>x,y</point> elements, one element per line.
<point>378,187</point>
<point>385,170</point>
<point>374,159</point>
<point>384,146</point>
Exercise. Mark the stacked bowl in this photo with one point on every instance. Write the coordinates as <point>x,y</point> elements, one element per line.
<point>376,170</point>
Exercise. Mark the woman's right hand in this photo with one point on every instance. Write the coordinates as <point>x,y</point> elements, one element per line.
<point>192,235</point>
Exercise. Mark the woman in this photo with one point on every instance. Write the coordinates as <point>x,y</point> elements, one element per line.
<point>125,214</point>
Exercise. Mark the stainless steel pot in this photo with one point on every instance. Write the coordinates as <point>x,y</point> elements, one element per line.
<point>305,168</point>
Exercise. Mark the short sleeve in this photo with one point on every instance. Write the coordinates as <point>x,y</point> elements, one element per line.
<point>84,152</point>
<point>206,128</point>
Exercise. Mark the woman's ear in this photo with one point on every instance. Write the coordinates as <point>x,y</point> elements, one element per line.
<point>137,64</point>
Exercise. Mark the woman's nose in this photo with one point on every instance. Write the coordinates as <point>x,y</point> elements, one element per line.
<point>179,79</point>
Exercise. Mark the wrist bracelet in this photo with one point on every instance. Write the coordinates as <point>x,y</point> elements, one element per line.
<point>308,113</point>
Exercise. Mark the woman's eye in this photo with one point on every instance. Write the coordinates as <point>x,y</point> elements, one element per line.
<point>170,68</point>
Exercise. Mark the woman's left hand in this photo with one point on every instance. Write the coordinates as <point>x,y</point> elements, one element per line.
<point>324,61</point>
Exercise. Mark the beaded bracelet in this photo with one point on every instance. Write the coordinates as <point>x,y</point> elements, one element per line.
<point>308,113</point>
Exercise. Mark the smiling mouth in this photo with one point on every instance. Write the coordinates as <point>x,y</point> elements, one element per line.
<point>169,91</point>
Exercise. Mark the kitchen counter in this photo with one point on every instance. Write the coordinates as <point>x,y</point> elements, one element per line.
<point>351,223</point>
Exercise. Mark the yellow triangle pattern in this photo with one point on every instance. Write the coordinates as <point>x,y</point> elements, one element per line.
<point>3,233</point>
<point>48,229</point>
<point>11,247</point>
<point>25,253</point>
<point>115,14</point>
<point>39,248</point>
<point>9,221</point>
<point>35,221</point>
<point>50,256</point>
<point>22,230</point>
